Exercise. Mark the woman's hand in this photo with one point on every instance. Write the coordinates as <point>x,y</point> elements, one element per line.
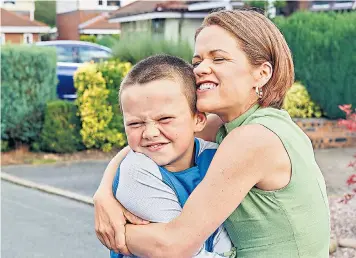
<point>110,221</point>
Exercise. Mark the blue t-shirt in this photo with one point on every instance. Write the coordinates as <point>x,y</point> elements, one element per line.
<point>182,183</point>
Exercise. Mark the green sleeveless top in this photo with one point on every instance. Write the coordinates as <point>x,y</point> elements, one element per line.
<point>289,222</point>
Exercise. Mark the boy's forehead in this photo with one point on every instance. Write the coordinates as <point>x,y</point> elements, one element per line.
<point>164,93</point>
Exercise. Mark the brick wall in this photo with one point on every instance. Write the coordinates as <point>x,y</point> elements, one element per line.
<point>17,38</point>
<point>67,25</point>
<point>326,133</point>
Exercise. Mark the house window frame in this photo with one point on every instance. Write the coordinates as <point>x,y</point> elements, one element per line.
<point>9,1</point>
<point>3,39</point>
<point>103,2</point>
<point>30,35</point>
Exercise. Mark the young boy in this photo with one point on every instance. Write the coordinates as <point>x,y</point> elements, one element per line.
<point>166,163</point>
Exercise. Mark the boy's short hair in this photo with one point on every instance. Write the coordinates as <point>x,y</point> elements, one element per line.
<point>163,67</point>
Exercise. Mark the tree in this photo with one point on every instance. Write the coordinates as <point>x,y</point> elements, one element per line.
<point>45,11</point>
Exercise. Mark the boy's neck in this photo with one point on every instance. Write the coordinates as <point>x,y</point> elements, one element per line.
<point>185,162</point>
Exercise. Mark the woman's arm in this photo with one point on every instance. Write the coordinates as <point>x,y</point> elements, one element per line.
<point>242,161</point>
<point>211,128</point>
<point>110,216</point>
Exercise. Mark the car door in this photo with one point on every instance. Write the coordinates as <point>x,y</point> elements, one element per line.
<point>67,63</point>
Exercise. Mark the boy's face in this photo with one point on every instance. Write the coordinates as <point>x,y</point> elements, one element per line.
<point>159,123</point>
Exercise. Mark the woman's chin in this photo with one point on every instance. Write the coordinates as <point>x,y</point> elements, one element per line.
<point>206,106</point>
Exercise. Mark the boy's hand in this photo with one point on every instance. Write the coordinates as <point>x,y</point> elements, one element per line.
<point>110,221</point>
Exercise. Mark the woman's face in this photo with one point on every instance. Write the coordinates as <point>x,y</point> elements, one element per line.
<point>223,74</point>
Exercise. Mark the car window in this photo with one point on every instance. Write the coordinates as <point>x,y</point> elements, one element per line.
<point>67,54</point>
<point>87,54</point>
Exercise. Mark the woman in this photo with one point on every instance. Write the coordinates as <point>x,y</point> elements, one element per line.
<point>263,181</point>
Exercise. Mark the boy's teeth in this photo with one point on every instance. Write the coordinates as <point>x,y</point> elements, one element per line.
<point>207,86</point>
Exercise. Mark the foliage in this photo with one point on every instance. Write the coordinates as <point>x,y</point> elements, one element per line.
<point>97,87</point>
<point>45,11</point>
<point>88,38</point>
<point>299,104</point>
<point>28,81</point>
<point>350,124</point>
<point>108,40</point>
<point>323,47</point>
<point>139,46</point>
<point>5,146</point>
<point>263,4</point>
<point>60,133</point>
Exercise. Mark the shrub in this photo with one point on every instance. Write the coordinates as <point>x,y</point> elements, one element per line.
<point>60,133</point>
<point>108,40</point>
<point>324,47</point>
<point>299,104</point>
<point>97,88</point>
<point>88,38</point>
<point>139,46</point>
<point>5,146</point>
<point>28,82</point>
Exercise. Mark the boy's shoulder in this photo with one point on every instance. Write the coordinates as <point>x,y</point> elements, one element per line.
<point>202,145</point>
<point>204,151</point>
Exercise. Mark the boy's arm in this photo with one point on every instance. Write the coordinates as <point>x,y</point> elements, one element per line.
<point>109,214</point>
<point>143,192</point>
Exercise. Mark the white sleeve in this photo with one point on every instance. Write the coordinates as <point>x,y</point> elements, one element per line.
<point>142,191</point>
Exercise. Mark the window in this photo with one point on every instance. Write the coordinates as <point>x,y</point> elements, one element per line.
<point>114,3</point>
<point>9,2</point>
<point>67,54</point>
<point>87,54</point>
<point>158,26</point>
<point>2,39</point>
<point>100,2</point>
<point>27,38</point>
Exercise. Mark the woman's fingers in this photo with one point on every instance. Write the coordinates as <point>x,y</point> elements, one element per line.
<point>120,240</point>
<point>133,218</point>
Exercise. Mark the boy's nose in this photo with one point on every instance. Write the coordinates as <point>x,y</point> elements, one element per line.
<point>151,131</point>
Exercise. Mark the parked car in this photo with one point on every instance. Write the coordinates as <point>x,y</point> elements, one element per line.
<point>70,55</point>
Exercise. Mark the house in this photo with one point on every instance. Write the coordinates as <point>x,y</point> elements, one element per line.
<point>25,8</point>
<point>85,17</point>
<point>17,28</point>
<point>169,19</point>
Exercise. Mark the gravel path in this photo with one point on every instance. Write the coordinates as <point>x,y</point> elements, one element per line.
<point>343,225</point>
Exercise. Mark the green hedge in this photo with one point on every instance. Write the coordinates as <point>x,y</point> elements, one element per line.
<point>136,47</point>
<point>324,47</point>
<point>28,82</point>
<point>60,133</point>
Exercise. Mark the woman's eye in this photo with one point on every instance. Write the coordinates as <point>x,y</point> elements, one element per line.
<point>195,64</point>
<point>218,59</point>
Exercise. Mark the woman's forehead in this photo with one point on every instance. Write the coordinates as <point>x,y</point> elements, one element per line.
<point>214,38</point>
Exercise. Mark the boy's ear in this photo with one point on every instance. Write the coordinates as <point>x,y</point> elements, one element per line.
<point>200,121</point>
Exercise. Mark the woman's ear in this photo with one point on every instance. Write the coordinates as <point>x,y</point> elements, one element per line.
<point>200,121</point>
<point>263,74</point>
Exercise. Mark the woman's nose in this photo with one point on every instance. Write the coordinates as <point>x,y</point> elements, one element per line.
<point>202,69</point>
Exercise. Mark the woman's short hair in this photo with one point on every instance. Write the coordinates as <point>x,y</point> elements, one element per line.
<point>262,42</point>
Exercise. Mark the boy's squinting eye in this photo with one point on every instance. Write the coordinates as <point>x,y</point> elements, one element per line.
<point>134,124</point>
<point>165,119</point>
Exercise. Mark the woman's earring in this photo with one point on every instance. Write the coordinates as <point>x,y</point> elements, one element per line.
<point>259,92</point>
